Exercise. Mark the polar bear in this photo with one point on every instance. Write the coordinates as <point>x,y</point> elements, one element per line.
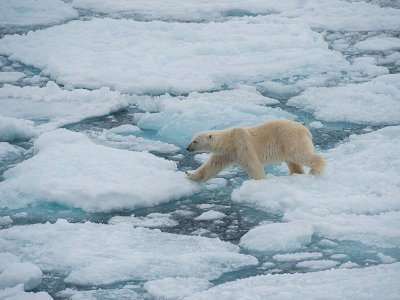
<point>253,147</point>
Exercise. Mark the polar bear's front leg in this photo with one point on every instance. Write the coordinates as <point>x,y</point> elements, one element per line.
<point>255,170</point>
<point>214,164</point>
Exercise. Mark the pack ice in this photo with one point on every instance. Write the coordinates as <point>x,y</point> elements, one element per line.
<point>71,170</point>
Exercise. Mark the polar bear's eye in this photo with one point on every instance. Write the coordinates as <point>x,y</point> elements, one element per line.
<point>194,142</point>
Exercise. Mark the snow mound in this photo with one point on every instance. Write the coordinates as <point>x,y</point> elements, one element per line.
<point>366,283</point>
<point>356,199</point>
<point>51,106</point>
<point>105,254</point>
<point>375,102</point>
<point>278,237</point>
<point>71,170</point>
<point>33,12</point>
<point>159,57</point>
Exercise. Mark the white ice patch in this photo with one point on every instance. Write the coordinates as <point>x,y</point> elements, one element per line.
<point>210,215</point>
<point>297,256</point>
<point>150,221</point>
<point>52,106</point>
<point>12,129</point>
<point>366,283</point>
<point>317,264</point>
<point>18,293</point>
<point>374,102</point>
<point>115,139</point>
<point>14,272</point>
<point>71,170</point>
<point>97,294</point>
<point>176,288</point>
<point>5,220</point>
<point>180,118</point>
<point>278,237</point>
<point>356,199</point>
<point>35,12</point>
<point>379,43</point>
<point>8,77</point>
<point>98,254</point>
<point>158,57</point>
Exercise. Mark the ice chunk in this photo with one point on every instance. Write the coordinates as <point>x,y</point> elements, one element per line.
<point>176,288</point>
<point>356,199</point>
<point>13,272</point>
<point>150,221</point>
<point>105,254</point>
<point>126,129</point>
<point>316,125</point>
<point>278,236</point>
<point>121,294</point>
<point>7,77</point>
<point>33,12</point>
<point>58,107</point>
<point>8,152</point>
<point>365,283</point>
<point>17,293</point>
<point>373,102</point>
<point>180,118</point>
<point>129,142</point>
<point>379,43</point>
<point>340,256</point>
<point>297,256</point>
<point>159,57</point>
<point>318,264</point>
<point>71,170</point>
<point>210,215</point>
<point>12,129</point>
<point>348,265</point>
<point>5,220</point>
<point>386,259</point>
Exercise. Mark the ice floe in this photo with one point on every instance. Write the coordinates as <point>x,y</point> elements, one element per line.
<point>180,118</point>
<point>297,256</point>
<point>318,264</point>
<point>379,43</point>
<point>373,102</point>
<point>366,283</point>
<point>276,237</point>
<point>9,152</point>
<point>158,57</point>
<point>105,254</point>
<point>18,293</point>
<point>51,106</point>
<point>356,199</point>
<point>176,288</point>
<point>150,221</point>
<point>121,294</point>
<point>12,129</point>
<point>35,12</point>
<point>9,77</point>
<point>71,170</point>
<point>210,215</point>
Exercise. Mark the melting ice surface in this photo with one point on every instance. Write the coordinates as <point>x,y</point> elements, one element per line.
<point>98,100</point>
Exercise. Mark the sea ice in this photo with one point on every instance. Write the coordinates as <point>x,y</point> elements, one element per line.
<point>373,102</point>
<point>363,283</point>
<point>12,129</point>
<point>379,43</point>
<point>14,272</point>
<point>297,256</point>
<point>51,106</point>
<point>18,293</point>
<point>176,288</point>
<point>356,199</point>
<point>276,237</point>
<point>104,254</point>
<point>71,170</point>
<point>8,77</point>
<point>150,221</point>
<point>35,12</point>
<point>159,57</point>
<point>317,264</point>
<point>97,294</point>
<point>210,215</point>
<point>180,118</point>
<point>5,220</point>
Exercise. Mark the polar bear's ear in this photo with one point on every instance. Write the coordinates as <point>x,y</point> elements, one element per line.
<point>210,136</point>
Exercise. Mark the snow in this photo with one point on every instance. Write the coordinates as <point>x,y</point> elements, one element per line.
<point>386,259</point>
<point>35,12</point>
<point>56,107</point>
<point>12,129</point>
<point>365,283</point>
<point>122,293</point>
<point>376,102</point>
<point>278,237</point>
<point>356,199</point>
<point>104,254</point>
<point>71,170</point>
<point>8,152</point>
<point>210,215</point>
<point>7,77</point>
<point>5,220</point>
<point>379,43</point>
<point>175,288</point>
<point>150,221</point>
<point>17,293</point>
<point>159,57</point>
<point>318,264</point>
<point>340,256</point>
<point>180,118</point>
<point>13,272</point>
<point>297,256</point>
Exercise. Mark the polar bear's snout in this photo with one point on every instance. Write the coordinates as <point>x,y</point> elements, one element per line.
<point>190,147</point>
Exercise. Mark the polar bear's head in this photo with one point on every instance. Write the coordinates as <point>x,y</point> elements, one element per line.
<point>202,142</point>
